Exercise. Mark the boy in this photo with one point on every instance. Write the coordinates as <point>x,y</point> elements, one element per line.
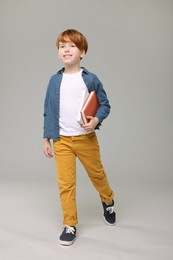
<point>70,139</point>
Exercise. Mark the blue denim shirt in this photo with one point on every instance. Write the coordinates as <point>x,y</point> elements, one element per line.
<point>51,103</point>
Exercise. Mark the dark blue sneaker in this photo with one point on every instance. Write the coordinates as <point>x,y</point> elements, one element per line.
<point>68,236</point>
<point>109,213</point>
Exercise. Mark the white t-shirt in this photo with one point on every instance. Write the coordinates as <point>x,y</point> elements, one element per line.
<point>73,92</point>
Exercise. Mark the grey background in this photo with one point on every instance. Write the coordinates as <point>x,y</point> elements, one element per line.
<point>130,50</point>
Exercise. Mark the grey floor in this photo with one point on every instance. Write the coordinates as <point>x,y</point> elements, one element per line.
<point>30,223</point>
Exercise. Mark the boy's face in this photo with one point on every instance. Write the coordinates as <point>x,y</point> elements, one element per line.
<point>69,53</point>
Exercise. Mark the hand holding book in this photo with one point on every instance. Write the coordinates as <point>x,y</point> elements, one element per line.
<point>88,112</point>
<point>93,122</point>
<point>90,107</point>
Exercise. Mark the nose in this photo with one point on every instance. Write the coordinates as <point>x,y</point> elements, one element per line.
<point>66,48</point>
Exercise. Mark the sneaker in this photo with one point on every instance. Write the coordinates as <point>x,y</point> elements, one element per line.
<point>109,213</point>
<point>68,236</point>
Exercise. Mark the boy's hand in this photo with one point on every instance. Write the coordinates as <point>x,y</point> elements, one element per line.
<point>47,148</point>
<point>89,127</point>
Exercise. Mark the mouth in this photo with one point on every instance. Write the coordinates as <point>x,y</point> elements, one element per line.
<point>67,55</point>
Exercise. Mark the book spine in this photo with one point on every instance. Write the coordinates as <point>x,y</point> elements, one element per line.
<point>83,118</point>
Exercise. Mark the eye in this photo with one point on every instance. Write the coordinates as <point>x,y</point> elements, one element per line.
<point>61,46</point>
<point>73,45</point>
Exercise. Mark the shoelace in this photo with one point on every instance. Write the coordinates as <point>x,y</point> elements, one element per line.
<point>70,229</point>
<point>110,209</point>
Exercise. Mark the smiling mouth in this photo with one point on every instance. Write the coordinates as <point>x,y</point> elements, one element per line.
<point>67,55</point>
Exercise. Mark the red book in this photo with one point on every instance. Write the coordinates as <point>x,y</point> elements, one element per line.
<point>90,107</point>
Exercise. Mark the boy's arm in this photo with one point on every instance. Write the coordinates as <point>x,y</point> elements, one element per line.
<point>47,148</point>
<point>104,106</point>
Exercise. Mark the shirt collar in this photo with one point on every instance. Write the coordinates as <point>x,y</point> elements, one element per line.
<point>84,70</point>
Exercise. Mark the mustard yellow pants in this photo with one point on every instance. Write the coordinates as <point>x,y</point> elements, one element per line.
<point>86,148</point>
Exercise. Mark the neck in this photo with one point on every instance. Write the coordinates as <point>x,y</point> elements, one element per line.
<point>72,69</point>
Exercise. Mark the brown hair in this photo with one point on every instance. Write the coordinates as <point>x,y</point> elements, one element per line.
<point>74,36</point>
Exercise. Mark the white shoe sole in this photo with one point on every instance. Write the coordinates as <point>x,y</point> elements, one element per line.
<point>66,243</point>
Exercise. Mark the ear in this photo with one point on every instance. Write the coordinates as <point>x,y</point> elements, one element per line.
<point>82,54</point>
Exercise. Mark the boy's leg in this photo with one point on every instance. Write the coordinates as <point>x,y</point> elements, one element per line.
<point>88,152</point>
<point>65,161</point>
